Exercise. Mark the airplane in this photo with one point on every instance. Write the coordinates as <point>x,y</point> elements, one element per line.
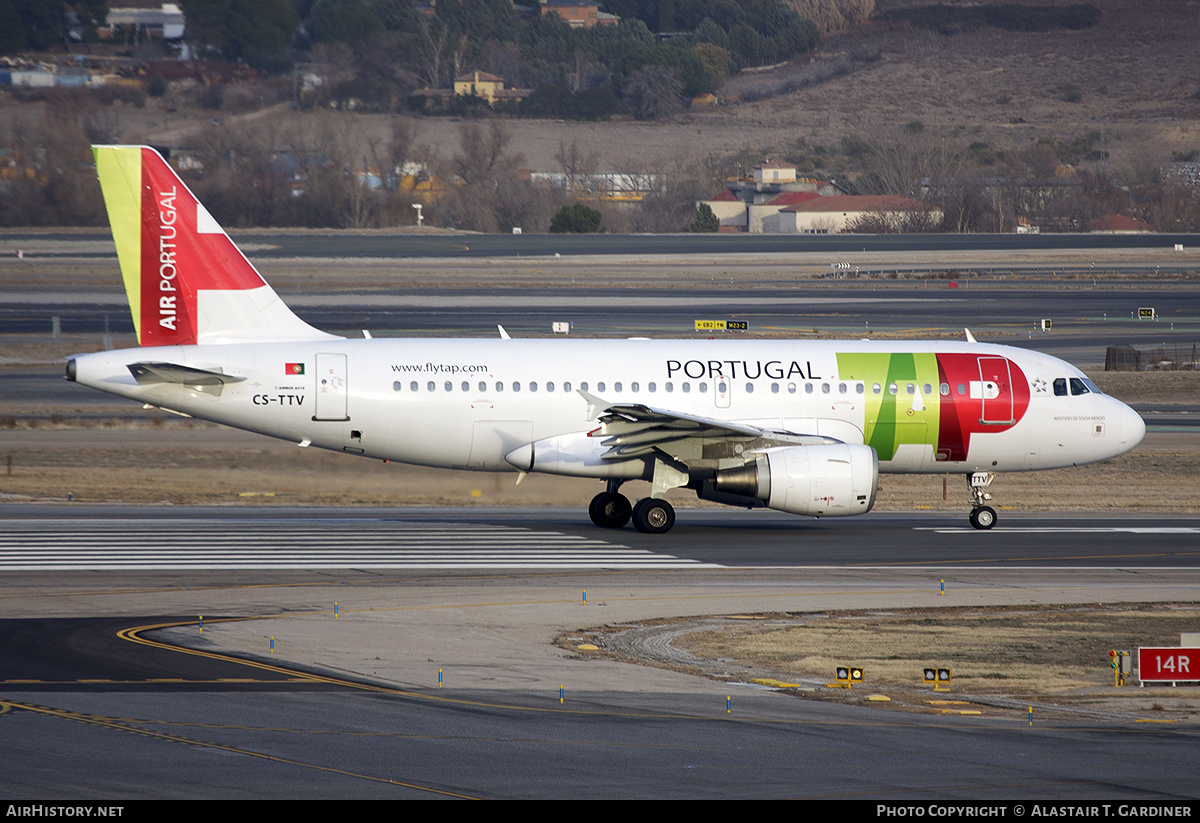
<point>798,426</point>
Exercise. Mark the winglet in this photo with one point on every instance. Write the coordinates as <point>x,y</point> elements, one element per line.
<point>970,337</point>
<point>503,333</point>
<point>595,404</point>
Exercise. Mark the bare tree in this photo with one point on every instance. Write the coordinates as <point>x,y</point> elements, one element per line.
<point>485,188</point>
<point>432,53</point>
<point>576,163</point>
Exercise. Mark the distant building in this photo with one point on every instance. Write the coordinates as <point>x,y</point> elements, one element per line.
<point>166,22</point>
<point>833,215</point>
<point>478,84</point>
<point>607,186</point>
<point>486,86</point>
<point>580,14</point>
<point>750,203</point>
<point>1120,224</point>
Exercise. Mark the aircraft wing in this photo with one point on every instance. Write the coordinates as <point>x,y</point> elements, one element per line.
<point>635,429</point>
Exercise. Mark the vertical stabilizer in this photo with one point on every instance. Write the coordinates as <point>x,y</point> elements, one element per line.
<point>186,281</point>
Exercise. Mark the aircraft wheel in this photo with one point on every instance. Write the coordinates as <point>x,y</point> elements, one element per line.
<point>983,517</point>
<point>610,510</point>
<point>652,516</point>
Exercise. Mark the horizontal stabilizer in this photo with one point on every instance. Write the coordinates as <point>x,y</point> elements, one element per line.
<point>210,382</point>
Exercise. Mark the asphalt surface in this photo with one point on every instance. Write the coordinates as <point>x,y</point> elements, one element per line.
<point>1086,320</point>
<point>282,244</point>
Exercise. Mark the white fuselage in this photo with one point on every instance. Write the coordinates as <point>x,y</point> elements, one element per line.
<point>470,403</point>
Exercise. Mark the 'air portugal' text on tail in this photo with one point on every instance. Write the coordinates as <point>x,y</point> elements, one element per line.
<point>186,281</point>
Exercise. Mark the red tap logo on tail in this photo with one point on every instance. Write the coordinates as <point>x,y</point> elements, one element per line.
<point>186,281</point>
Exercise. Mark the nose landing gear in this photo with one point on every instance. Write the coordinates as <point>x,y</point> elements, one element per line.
<point>982,515</point>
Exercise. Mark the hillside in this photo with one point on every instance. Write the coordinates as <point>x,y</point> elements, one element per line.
<point>1136,70</point>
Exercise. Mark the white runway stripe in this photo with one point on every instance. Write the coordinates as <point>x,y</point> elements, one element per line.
<point>233,544</point>
<point>1064,529</point>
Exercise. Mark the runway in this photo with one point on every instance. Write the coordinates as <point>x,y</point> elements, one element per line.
<point>146,538</point>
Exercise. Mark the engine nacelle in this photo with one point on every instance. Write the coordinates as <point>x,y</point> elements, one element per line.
<point>834,480</point>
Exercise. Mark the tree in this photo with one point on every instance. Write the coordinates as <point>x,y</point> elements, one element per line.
<point>578,218</point>
<point>705,220</point>
<point>256,31</point>
<point>576,163</point>
<point>653,92</point>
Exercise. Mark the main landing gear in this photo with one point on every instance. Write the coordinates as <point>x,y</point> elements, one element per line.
<point>982,516</point>
<point>612,510</point>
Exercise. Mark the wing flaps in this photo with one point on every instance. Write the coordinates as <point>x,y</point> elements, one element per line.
<point>635,430</point>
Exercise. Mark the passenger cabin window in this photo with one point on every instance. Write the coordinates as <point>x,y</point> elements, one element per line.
<point>449,386</point>
<point>774,388</point>
<point>412,386</point>
<point>652,387</point>
<point>499,386</point>
<point>432,386</point>
<point>616,386</point>
<point>808,388</point>
<point>567,386</point>
<point>549,386</point>
<point>749,388</point>
<point>482,386</point>
<point>599,387</point>
<point>703,387</point>
<point>669,386</point>
<point>396,386</point>
<point>533,386</point>
<point>791,388</point>
<point>945,389</point>
<point>466,386</point>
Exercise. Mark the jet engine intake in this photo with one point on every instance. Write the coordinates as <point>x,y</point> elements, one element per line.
<point>835,480</point>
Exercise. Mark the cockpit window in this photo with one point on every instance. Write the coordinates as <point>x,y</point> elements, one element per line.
<point>1079,387</point>
<point>1060,387</point>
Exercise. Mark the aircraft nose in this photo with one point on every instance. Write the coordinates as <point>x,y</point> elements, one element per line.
<point>1132,427</point>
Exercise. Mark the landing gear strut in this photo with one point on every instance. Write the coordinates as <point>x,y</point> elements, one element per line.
<point>610,509</point>
<point>982,515</point>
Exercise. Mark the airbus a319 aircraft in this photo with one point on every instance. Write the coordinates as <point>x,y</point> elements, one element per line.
<point>797,426</point>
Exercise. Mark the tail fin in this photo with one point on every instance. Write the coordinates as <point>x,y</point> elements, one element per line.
<point>186,281</point>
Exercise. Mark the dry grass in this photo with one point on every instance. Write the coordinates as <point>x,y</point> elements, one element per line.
<point>1009,650</point>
